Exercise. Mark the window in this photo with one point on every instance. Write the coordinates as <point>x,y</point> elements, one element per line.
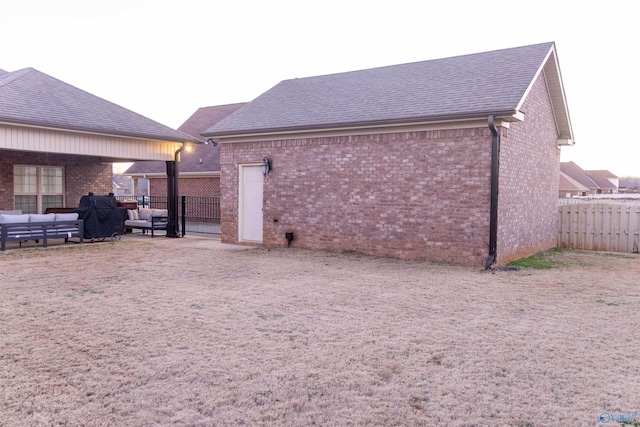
<point>37,188</point>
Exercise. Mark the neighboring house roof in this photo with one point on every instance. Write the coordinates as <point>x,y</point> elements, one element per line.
<point>574,171</point>
<point>592,179</point>
<point>203,158</point>
<point>569,184</point>
<point>29,97</point>
<point>463,87</point>
<point>630,182</point>
<point>603,179</point>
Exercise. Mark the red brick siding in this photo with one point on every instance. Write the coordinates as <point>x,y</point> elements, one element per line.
<point>82,174</point>
<point>419,195</point>
<point>528,189</point>
<point>188,186</point>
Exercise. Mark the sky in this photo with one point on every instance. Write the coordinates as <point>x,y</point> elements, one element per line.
<point>164,59</point>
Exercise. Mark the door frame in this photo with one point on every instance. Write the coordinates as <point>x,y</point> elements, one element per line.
<point>241,188</point>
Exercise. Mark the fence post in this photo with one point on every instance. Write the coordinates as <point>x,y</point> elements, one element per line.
<point>184,215</point>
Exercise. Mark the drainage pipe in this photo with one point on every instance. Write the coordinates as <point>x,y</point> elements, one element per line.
<point>493,216</point>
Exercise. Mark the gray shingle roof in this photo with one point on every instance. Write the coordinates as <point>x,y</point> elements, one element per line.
<point>199,121</point>
<point>602,179</point>
<point>574,171</point>
<point>30,97</point>
<point>458,87</point>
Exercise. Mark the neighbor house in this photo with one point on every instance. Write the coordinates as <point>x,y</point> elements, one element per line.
<point>58,143</point>
<point>569,187</point>
<point>452,160</point>
<point>590,181</point>
<point>605,181</point>
<point>199,169</point>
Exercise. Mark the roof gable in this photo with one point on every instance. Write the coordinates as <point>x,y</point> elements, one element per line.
<point>574,171</point>
<point>462,87</point>
<point>603,179</point>
<point>566,183</point>
<point>203,158</point>
<point>29,97</point>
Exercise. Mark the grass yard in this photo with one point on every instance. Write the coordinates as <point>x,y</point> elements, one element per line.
<point>180,332</point>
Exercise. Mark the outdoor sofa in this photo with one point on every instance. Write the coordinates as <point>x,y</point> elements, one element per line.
<point>18,227</point>
<point>147,219</point>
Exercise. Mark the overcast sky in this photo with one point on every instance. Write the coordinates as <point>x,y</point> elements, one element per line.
<point>166,58</point>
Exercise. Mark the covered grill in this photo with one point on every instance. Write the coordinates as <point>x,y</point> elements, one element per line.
<point>102,216</point>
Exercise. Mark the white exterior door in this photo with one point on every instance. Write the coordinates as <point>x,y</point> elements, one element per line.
<point>250,201</point>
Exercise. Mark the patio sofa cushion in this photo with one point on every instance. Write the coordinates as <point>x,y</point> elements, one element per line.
<point>144,214</point>
<point>66,228</point>
<point>11,212</point>
<point>43,218</point>
<point>13,219</point>
<point>66,216</point>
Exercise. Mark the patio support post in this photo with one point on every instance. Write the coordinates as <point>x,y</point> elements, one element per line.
<point>172,199</point>
<point>173,189</point>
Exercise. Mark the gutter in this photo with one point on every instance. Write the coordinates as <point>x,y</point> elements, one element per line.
<point>508,115</point>
<point>493,215</point>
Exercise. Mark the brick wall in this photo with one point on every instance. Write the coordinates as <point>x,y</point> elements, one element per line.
<point>418,195</point>
<point>188,186</point>
<point>82,174</point>
<point>528,182</point>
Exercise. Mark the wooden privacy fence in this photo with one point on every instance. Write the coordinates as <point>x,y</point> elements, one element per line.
<point>599,227</point>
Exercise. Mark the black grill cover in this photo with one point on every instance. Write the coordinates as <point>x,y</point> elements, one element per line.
<point>102,217</point>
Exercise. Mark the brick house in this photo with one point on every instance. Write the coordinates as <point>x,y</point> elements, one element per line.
<point>569,187</point>
<point>199,169</point>
<point>57,142</point>
<point>575,181</point>
<point>453,160</point>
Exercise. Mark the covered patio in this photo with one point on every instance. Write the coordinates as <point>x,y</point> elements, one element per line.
<point>58,143</point>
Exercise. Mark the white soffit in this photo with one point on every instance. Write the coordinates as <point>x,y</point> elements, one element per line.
<point>21,138</point>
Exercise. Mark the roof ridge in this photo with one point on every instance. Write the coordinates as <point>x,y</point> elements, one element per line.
<point>71,114</point>
<point>443,58</point>
<point>14,75</point>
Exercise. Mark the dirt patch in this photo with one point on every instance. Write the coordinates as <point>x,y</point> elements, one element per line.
<point>168,332</point>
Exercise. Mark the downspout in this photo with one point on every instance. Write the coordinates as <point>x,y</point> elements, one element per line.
<point>493,216</point>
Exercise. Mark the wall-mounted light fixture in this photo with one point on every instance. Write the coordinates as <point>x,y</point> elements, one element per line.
<point>211,142</point>
<point>265,167</point>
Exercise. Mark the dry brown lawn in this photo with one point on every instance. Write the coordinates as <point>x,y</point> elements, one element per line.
<point>160,332</point>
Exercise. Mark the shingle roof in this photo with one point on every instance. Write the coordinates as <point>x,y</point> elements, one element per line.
<point>30,97</point>
<point>601,179</point>
<point>566,183</point>
<point>574,171</point>
<point>593,179</point>
<point>203,158</point>
<point>465,86</point>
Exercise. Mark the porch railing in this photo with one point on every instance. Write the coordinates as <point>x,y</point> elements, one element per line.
<point>197,214</point>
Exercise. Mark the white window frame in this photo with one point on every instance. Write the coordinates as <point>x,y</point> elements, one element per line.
<point>39,190</point>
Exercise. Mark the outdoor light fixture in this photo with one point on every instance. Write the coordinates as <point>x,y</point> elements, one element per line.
<point>211,141</point>
<point>265,167</point>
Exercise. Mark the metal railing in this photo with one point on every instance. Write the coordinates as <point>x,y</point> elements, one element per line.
<point>197,214</point>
